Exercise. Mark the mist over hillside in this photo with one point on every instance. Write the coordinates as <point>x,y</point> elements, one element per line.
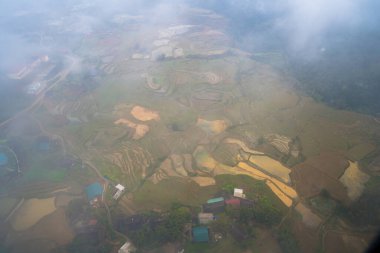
<point>331,46</point>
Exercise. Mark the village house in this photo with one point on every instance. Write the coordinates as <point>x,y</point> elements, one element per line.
<point>205,218</point>
<point>94,193</point>
<point>215,205</point>
<point>233,202</point>
<point>200,234</point>
<point>239,193</point>
<point>126,248</point>
<point>120,190</point>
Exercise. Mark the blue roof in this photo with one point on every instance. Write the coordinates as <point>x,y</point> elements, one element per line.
<point>94,190</point>
<point>200,234</point>
<point>215,200</point>
<point>3,159</point>
<point>45,146</point>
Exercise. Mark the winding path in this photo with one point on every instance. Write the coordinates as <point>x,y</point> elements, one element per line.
<point>63,74</point>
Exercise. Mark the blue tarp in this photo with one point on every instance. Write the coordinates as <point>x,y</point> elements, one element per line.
<point>3,159</point>
<point>94,190</point>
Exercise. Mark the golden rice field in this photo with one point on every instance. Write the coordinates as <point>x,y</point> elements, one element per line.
<point>31,212</point>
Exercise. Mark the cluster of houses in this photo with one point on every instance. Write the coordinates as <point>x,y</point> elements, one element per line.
<point>95,196</point>
<point>212,208</point>
<point>199,233</point>
<point>95,192</point>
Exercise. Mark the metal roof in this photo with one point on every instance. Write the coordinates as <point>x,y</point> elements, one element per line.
<point>120,187</point>
<point>94,190</point>
<point>215,200</point>
<point>3,159</point>
<point>233,202</point>
<point>200,234</point>
<point>206,215</point>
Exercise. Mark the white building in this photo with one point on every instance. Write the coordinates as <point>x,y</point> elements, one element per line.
<point>126,248</point>
<point>34,88</point>
<point>205,218</point>
<point>120,190</point>
<point>239,193</point>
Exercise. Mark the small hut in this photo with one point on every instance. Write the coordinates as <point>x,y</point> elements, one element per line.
<point>120,189</point>
<point>239,193</point>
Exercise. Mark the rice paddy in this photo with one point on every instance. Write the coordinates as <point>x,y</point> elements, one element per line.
<point>32,211</point>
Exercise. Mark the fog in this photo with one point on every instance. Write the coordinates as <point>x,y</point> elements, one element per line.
<point>165,106</point>
<point>308,31</point>
<point>301,24</point>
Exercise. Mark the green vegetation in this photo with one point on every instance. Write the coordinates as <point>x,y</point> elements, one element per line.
<point>110,171</point>
<point>323,204</point>
<point>45,174</point>
<point>45,167</point>
<point>267,210</point>
<point>82,133</point>
<point>225,245</point>
<point>85,244</point>
<point>167,227</point>
<point>364,211</point>
<point>286,238</point>
<point>161,195</point>
<point>222,224</point>
<point>256,190</point>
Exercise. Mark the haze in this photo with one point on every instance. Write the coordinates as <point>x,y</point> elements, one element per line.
<point>189,126</point>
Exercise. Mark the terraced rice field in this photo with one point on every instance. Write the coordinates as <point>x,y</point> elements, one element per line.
<point>144,114</point>
<point>139,129</point>
<point>284,192</point>
<point>212,126</point>
<point>204,181</point>
<point>272,167</point>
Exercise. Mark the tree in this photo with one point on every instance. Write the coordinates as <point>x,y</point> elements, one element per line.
<point>265,212</point>
<point>221,225</point>
<point>175,222</point>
